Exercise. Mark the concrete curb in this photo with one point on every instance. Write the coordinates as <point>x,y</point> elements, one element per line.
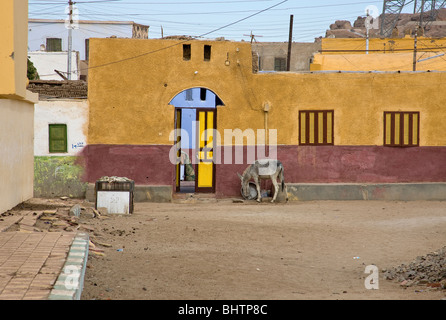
<point>70,282</point>
<point>379,191</point>
<point>405,191</point>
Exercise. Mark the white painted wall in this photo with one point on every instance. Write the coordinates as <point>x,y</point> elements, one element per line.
<point>73,113</point>
<point>40,29</point>
<point>16,149</point>
<point>47,62</point>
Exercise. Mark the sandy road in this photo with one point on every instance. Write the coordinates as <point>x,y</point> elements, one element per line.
<point>299,250</point>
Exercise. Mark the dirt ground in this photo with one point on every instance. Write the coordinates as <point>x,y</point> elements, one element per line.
<point>294,251</point>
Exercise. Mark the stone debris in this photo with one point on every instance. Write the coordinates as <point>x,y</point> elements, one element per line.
<point>59,88</point>
<point>47,218</point>
<point>114,179</point>
<point>75,210</point>
<point>428,270</point>
<point>103,244</point>
<point>101,211</point>
<point>66,217</point>
<point>49,212</point>
<point>88,213</point>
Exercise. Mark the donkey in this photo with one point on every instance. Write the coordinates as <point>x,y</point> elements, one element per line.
<point>263,169</point>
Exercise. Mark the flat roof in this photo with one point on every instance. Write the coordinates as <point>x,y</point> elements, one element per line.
<point>84,21</point>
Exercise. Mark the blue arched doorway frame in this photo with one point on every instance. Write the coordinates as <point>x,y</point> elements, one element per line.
<point>190,105</point>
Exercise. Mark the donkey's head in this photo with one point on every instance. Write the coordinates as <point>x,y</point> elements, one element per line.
<point>244,181</point>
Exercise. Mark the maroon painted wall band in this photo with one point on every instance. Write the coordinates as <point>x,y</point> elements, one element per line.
<point>150,165</point>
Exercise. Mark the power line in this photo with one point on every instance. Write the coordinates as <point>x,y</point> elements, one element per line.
<point>64,2</point>
<point>181,42</point>
<point>147,17</point>
<point>243,19</point>
<point>152,3</point>
<point>210,2</point>
<point>199,2</point>
<point>265,26</point>
<point>438,47</point>
<point>170,13</point>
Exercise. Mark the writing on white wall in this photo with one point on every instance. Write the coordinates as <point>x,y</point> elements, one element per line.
<point>77,145</point>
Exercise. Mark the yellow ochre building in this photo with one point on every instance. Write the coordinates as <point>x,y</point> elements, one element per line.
<point>382,54</point>
<point>16,107</point>
<point>339,135</point>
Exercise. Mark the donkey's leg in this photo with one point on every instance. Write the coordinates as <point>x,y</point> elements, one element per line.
<point>276,186</point>
<point>258,189</point>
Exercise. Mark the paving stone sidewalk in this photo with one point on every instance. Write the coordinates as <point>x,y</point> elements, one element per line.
<point>40,265</point>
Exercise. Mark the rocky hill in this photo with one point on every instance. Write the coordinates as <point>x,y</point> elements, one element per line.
<point>405,26</point>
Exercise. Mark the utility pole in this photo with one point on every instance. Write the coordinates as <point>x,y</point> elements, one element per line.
<point>367,26</point>
<point>252,36</point>
<point>415,42</point>
<point>415,50</point>
<point>290,41</point>
<point>70,35</point>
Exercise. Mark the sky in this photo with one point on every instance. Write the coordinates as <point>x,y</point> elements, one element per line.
<point>266,20</point>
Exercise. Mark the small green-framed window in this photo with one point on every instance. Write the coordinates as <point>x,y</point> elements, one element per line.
<point>57,138</point>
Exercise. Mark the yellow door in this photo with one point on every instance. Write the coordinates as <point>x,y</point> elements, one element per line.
<point>205,151</point>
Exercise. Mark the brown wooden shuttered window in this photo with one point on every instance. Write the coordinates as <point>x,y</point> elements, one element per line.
<point>401,129</point>
<point>316,127</point>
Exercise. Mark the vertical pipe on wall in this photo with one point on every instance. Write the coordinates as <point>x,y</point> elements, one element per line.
<point>265,110</point>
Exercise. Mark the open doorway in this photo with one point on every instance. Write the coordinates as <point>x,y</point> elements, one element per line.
<point>195,113</point>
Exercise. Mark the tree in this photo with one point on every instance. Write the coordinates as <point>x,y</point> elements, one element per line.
<point>32,71</point>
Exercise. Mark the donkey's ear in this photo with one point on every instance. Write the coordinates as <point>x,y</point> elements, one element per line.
<point>239,176</point>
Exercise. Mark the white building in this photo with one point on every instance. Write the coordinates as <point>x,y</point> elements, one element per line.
<point>71,115</point>
<point>53,34</point>
<point>60,135</point>
<point>50,65</point>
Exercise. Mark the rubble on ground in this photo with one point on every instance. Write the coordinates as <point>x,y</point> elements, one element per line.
<point>114,179</point>
<point>429,270</point>
<point>58,215</point>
